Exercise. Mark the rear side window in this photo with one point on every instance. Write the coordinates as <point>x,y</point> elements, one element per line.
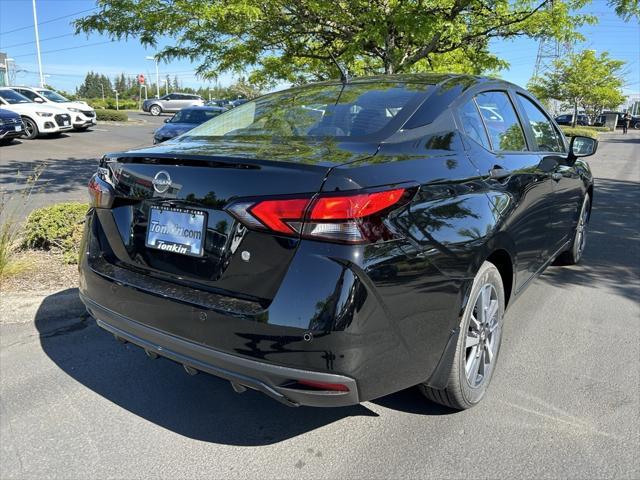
<point>472,124</point>
<point>545,134</point>
<point>503,127</point>
<point>28,93</point>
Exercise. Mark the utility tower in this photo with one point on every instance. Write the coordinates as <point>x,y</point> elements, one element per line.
<point>549,50</point>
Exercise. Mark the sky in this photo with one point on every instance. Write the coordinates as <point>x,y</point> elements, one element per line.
<point>66,57</point>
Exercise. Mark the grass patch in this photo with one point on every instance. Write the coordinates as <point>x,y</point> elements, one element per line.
<point>58,227</point>
<point>111,116</point>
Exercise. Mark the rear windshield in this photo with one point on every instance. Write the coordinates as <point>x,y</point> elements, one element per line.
<point>13,98</point>
<point>353,110</point>
<point>194,116</point>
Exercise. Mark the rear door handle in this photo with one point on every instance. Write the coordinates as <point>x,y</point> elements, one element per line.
<point>498,173</point>
<point>557,176</point>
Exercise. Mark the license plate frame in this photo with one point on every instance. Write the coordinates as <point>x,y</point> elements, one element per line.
<point>166,226</point>
<point>18,128</point>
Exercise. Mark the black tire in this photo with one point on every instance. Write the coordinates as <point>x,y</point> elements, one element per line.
<point>5,141</point>
<point>155,110</point>
<point>30,128</point>
<point>462,392</point>
<point>579,241</point>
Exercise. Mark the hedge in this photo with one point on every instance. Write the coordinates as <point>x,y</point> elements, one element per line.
<point>111,115</point>
<point>110,104</point>
<point>582,131</point>
<point>58,227</point>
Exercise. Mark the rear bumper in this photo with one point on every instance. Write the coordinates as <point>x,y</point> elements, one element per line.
<point>273,380</point>
<point>10,132</point>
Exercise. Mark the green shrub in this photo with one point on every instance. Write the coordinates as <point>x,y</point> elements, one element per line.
<point>57,227</point>
<point>110,103</point>
<point>581,131</point>
<point>111,116</point>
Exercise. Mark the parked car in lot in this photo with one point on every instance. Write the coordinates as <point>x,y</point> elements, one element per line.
<point>171,103</point>
<point>82,115</point>
<point>38,119</point>
<point>567,119</point>
<point>334,243</point>
<point>185,120</point>
<point>10,126</point>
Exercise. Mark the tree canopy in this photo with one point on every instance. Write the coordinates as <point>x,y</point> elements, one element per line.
<point>583,79</point>
<point>295,40</point>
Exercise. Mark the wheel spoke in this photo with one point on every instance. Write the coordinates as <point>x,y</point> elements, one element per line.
<point>491,313</point>
<point>472,339</point>
<point>488,352</point>
<point>475,323</point>
<point>471,359</point>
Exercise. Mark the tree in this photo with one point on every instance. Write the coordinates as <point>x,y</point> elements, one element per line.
<point>627,9</point>
<point>583,79</point>
<point>295,40</point>
<point>94,85</point>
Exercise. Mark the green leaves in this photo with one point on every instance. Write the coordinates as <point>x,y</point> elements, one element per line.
<point>584,79</point>
<point>293,40</point>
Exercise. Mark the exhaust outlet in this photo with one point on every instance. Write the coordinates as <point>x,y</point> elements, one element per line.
<point>189,370</point>
<point>238,388</point>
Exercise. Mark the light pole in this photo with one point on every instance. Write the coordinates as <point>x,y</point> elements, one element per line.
<point>35,27</point>
<point>117,105</point>
<point>102,88</point>
<point>157,75</point>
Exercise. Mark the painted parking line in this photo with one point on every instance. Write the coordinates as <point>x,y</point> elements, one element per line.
<point>100,129</point>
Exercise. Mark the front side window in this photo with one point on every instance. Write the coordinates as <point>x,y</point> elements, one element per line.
<point>13,98</point>
<point>27,93</point>
<point>472,123</point>
<point>544,133</point>
<point>503,127</point>
<point>353,110</point>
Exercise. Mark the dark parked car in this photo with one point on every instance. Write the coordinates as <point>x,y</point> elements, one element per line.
<point>583,120</point>
<point>185,120</point>
<point>171,102</point>
<point>10,126</point>
<point>634,123</point>
<point>330,244</point>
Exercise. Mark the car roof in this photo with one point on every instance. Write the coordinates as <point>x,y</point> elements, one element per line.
<point>209,108</point>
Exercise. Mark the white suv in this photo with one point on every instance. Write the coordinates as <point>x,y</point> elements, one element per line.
<point>82,115</point>
<point>38,119</point>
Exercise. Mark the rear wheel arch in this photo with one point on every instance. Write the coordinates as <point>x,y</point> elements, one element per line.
<point>504,263</point>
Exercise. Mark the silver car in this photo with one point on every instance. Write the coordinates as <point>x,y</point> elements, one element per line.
<point>171,102</point>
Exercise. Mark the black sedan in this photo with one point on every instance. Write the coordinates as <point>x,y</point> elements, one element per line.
<point>185,120</point>
<point>582,120</point>
<point>334,243</point>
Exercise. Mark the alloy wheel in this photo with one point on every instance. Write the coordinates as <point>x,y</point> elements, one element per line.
<point>29,129</point>
<point>581,229</point>
<point>483,335</point>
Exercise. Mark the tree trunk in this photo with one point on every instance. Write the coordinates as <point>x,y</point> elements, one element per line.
<point>574,121</point>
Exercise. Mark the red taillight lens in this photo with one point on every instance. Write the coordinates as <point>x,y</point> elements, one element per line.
<point>356,218</point>
<point>332,387</point>
<point>352,207</point>
<point>274,213</point>
<point>100,192</point>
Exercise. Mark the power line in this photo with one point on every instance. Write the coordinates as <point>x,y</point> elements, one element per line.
<point>33,41</point>
<point>64,49</point>
<point>49,21</point>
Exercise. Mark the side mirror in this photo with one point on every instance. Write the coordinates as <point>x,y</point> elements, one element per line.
<point>582,146</point>
<point>38,100</point>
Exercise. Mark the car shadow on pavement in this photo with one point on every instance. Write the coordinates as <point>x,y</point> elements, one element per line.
<point>57,175</point>
<point>201,407</point>
<point>612,252</point>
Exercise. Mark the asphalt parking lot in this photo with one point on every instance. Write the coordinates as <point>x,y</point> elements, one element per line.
<point>70,159</point>
<point>564,403</point>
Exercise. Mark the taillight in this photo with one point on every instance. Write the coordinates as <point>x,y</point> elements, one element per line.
<point>100,190</point>
<point>354,218</point>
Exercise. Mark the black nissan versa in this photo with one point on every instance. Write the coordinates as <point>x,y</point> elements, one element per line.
<point>337,242</point>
